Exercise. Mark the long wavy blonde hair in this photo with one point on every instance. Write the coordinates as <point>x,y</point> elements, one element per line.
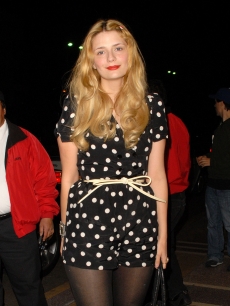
<point>94,106</point>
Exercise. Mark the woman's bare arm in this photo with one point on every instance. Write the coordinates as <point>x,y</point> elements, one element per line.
<point>156,170</point>
<point>68,155</point>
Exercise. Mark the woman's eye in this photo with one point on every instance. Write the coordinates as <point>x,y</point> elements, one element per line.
<point>100,52</point>
<point>119,48</point>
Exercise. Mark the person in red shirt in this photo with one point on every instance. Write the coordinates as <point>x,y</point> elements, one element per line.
<point>177,169</point>
<point>177,166</point>
<point>28,193</point>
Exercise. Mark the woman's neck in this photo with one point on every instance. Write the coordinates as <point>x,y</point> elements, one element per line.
<point>112,88</point>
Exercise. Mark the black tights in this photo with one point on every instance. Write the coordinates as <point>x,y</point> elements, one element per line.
<point>120,287</point>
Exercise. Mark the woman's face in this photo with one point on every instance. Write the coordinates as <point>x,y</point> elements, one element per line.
<point>110,55</point>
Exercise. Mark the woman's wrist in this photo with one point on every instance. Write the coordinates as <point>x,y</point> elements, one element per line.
<point>162,239</point>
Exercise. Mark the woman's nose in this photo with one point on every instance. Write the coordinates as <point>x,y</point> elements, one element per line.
<point>111,57</point>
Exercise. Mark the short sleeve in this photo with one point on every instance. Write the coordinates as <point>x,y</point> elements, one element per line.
<point>65,123</point>
<point>158,119</point>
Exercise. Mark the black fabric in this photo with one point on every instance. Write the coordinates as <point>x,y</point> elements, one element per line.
<point>121,287</point>
<point>21,261</point>
<point>113,229</point>
<point>219,168</point>
<point>218,184</point>
<point>174,279</point>
<point>15,135</point>
<point>5,216</point>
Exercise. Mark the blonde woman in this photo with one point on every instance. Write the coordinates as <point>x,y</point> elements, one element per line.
<point>111,138</point>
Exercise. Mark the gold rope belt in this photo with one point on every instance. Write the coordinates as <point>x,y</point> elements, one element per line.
<point>133,182</point>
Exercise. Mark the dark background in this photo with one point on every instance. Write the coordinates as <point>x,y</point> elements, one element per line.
<point>188,37</point>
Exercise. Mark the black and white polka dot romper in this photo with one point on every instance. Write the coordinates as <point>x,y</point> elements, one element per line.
<point>116,224</point>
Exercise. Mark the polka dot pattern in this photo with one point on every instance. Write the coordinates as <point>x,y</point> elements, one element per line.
<point>115,225</point>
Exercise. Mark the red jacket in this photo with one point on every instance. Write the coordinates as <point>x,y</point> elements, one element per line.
<point>31,180</point>
<point>177,155</point>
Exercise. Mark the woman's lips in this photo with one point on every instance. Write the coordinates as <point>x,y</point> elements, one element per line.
<point>113,67</point>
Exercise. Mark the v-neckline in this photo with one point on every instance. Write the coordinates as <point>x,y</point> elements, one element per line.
<point>116,122</point>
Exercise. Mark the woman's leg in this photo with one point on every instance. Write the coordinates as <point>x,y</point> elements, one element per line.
<point>130,285</point>
<point>90,287</point>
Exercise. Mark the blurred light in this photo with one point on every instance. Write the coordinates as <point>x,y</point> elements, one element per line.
<point>70,44</point>
<point>171,72</point>
<point>58,177</point>
<point>80,47</point>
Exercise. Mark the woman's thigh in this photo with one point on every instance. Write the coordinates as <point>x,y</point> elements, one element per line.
<point>90,287</point>
<point>130,285</point>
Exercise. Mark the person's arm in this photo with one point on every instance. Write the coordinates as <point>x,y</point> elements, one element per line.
<point>68,154</point>
<point>156,171</point>
<point>44,184</point>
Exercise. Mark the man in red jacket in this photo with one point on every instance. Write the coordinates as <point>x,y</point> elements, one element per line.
<point>177,156</point>
<point>27,189</point>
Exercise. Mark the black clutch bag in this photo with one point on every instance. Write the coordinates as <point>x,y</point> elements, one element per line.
<point>158,294</point>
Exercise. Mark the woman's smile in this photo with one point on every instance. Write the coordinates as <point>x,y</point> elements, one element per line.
<point>115,67</point>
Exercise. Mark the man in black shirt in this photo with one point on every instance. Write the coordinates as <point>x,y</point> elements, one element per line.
<point>217,198</point>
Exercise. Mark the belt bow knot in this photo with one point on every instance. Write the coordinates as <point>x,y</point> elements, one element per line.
<point>133,182</point>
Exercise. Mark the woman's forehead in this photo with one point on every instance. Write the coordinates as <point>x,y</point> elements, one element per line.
<point>107,38</point>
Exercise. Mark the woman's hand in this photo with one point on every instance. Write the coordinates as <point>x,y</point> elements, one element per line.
<point>161,256</point>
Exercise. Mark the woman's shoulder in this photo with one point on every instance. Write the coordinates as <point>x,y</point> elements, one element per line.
<point>66,121</point>
<point>155,103</point>
<point>158,119</point>
<point>69,104</point>
<point>153,98</point>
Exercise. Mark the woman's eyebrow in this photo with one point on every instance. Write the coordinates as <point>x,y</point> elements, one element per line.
<point>102,47</point>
